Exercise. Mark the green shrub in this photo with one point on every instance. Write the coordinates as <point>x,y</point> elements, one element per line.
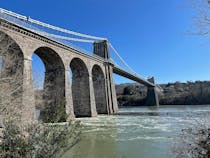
<point>38,140</point>
<point>54,113</point>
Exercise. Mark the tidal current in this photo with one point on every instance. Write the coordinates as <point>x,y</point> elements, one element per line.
<point>138,132</point>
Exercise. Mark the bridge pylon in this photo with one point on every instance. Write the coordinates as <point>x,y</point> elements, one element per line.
<point>101,49</point>
<point>152,95</point>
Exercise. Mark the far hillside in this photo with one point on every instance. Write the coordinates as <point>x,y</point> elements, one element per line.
<point>189,93</point>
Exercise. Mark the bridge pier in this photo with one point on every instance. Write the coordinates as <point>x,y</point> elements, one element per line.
<point>28,100</point>
<point>111,92</point>
<point>114,95</point>
<point>92,97</point>
<point>101,49</point>
<point>68,96</point>
<point>152,95</point>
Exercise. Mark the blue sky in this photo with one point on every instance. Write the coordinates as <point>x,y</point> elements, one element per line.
<point>151,35</point>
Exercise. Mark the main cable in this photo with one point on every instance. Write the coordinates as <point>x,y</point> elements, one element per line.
<point>122,60</point>
<point>21,17</point>
<point>62,37</point>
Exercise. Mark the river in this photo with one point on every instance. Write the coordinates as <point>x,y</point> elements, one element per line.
<point>138,132</point>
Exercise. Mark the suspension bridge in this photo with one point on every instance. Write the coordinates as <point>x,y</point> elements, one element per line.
<point>92,91</point>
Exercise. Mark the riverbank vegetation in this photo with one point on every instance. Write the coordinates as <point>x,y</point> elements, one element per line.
<point>38,140</point>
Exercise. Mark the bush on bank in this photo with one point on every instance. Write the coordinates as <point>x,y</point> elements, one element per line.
<point>54,113</point>
<point>38,140</point>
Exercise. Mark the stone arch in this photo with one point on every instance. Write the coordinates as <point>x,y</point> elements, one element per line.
<point>80,88</point>
<point>53,93</point>
<point>99,89</point>
<point>11,73</point>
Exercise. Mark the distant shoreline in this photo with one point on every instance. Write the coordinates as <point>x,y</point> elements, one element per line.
<point>177,93</point>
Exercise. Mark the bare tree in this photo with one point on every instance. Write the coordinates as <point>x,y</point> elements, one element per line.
<point>11,82</point>
<point>201,18</point>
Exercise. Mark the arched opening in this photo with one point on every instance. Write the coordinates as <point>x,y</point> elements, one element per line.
<point>11,76</point>
<point>38,72</point>
<point>80,88</point>
<point>50,93</point>
<point>99,90</point>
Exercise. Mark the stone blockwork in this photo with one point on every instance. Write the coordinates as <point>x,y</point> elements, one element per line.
<point>92,88</point>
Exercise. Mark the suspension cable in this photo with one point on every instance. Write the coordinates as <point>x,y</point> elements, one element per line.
<point>122,60</point>
<point>63,37</point>
<point>48,25</point>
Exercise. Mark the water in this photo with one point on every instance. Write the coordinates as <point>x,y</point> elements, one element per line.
<point>140,132</point>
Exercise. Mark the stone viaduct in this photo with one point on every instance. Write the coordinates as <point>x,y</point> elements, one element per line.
<point>92,91</point>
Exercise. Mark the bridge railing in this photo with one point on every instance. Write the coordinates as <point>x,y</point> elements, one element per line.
<point>23,21</point>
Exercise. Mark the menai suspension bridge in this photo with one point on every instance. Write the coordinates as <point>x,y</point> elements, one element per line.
<point>63,36</point>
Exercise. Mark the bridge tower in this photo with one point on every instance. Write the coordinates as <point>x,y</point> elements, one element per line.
<point>152,95</point>
<point>101,49</point>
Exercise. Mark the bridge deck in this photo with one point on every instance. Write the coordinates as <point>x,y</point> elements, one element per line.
<point>131,76</point>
